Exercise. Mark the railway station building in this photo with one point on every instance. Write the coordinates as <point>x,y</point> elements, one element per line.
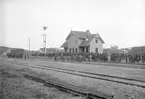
<point>83,41</point>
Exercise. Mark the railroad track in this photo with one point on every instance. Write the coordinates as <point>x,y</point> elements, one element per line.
<point>66,87</point>
<point>122,80</point>
<point>73,89</point>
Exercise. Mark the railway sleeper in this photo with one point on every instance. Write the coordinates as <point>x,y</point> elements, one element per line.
<point>94,77</point>
<point>70,88</point>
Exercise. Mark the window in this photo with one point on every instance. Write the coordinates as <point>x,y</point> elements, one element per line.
<point>96,41</point>
<point>70,50</point>
<point>87,50</point>
<point>96,50</point>
<point>76,49</point>
<point>65,49</point>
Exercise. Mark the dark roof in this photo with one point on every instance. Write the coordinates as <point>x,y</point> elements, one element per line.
<point>87,42</point>
<point>137,50</point>
<point>79,34</point>
<point>65,44</point>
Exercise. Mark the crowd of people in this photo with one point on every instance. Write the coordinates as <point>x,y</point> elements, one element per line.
<point>113,57</point>
<point>117,57</point>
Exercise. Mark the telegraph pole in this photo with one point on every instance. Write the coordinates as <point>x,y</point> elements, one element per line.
<point>29,53</point>
<point>45,44</point>
<point>29,44</point>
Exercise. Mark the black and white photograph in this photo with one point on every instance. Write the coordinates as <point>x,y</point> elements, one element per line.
<point>72,49</point>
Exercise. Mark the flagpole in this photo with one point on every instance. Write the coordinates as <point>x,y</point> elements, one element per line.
<point>45,44</point>
<point>29,49</point>
<point>29,44</point>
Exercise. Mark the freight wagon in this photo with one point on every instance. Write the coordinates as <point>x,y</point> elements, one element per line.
<point>16,53</point>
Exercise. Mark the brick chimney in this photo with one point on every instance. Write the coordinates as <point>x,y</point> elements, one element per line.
<point>87,33</point>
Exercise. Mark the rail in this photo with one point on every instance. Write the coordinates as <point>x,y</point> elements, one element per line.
<point>73,89</point>
<point>122,80</point>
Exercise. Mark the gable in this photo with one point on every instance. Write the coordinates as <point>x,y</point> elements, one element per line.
<point>73,41</point>
<point>69,36</point>
<point>98,41</point>
<point>99,37</point>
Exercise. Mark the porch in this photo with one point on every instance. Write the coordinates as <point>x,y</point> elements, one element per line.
<point>84,49</point>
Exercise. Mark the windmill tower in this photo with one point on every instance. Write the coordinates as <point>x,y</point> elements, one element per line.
<point>44,39</point>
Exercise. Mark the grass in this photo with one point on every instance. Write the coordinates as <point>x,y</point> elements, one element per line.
<point>14,86</point>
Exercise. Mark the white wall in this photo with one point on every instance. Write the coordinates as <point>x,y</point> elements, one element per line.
<point>94,45</point>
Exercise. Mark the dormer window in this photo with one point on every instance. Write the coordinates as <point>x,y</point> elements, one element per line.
<point>96,41</point>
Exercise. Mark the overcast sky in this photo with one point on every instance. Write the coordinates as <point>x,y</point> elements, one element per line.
<point>119,22</point>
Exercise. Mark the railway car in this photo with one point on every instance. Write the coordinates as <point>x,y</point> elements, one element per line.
<point>16,53</point>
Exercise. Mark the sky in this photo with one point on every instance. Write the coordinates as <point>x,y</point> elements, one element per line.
<point>118,22</point>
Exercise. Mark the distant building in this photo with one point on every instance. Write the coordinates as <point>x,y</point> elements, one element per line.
<point>124,51</point>
<point>83,41</point>
<point>49,50</point>
<point>137,50</point>
<point>115,50</point>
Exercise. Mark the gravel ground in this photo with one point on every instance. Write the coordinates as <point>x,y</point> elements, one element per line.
<point>115,71</point>
<point>119,90</point>
<point>14,86</point>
